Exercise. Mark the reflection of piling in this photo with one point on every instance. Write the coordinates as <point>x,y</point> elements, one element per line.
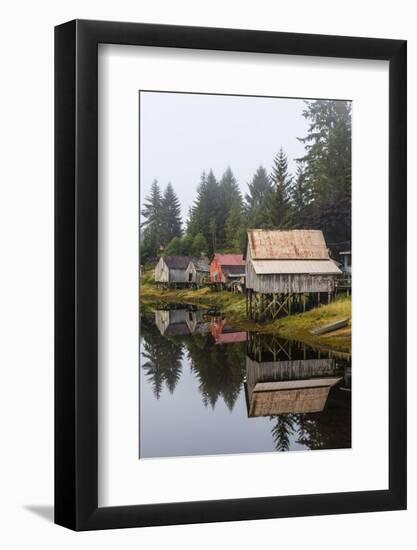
<point>270,347</point>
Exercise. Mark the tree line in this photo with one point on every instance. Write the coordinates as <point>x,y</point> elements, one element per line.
<point>316,196</point>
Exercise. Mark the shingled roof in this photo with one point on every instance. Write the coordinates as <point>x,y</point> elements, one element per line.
<point>177,262</point>
<point>295,244</point>
<point>201,264</point>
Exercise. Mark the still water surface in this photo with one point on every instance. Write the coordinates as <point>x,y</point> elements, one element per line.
<point>208,389</point>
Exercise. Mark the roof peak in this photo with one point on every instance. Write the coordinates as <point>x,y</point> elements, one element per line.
<point>287,244</point>
<point>230,259</point>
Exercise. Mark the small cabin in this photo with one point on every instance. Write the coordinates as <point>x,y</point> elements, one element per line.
<point>198,271</point>
<point>170,270</point>
<point>226,269</point>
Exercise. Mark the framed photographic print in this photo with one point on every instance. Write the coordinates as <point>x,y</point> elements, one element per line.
<point>230,234</point>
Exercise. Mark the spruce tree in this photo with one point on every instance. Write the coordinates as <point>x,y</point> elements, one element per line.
<point>174,247</point>
<point>199,246</point>
<point>205,211</point>
<point>301,198</point>
<point>235,230</point>
<point>279,207</point>
<point>328,167</point>
<point>152,224</point>
<point>230,199</point>
<point>256,199</point>
<point>171,215</point>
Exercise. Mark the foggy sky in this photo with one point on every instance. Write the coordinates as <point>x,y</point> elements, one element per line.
<point>184,134</point>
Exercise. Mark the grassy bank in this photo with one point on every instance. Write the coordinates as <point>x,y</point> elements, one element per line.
<point>299,326</point>
<point>295,327</point>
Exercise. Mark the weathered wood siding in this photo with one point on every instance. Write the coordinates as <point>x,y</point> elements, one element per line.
<point>286,284</point>
<point>165,275</point>
<point>177,276</point>
<point>191,273</point>
<point>161,272</point>
<point>278,371</point>
<point>277,400</point>
<point>197,276</point>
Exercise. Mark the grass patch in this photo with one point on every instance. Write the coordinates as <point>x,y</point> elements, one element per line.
<point>233,306</point>
<point>299,326</point>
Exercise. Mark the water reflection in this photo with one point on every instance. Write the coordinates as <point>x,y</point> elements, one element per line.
<point>207,388</point>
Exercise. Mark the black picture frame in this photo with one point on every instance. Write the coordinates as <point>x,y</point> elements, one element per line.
<point>76,272</point>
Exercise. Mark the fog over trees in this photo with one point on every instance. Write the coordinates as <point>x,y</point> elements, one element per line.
<point>316,196</point>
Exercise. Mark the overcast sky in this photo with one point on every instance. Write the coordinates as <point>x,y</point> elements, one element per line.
<point>184,134</point>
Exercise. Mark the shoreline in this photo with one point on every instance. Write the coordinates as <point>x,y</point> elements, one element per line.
<point>233,307</point>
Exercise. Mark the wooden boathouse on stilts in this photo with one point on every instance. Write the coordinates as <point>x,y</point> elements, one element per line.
<point>287,271</point>
<point>170,271</point>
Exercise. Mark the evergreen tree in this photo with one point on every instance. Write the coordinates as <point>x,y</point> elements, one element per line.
<point>171,214</point>
<point>204,212</point>
<point>212,233</point>
<point>230,199</point>
<point>152,226</point>
<point>179,246</point>
<point>301,198</point>
<point>216,211</point>
<point>279,204</point>
<point>235,229</point>
<point>199,246</point>
<point>186,245</point>
<point>256,199</point>
<point>328,167</point>
<point>174,247</point>
<point>194,212</point>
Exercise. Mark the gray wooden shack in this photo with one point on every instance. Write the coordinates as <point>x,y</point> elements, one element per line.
<point>198,271</point>
<point>170,270</point>
<point>287,269</point>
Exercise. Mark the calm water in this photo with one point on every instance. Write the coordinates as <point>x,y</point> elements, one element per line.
<point>207,389</point>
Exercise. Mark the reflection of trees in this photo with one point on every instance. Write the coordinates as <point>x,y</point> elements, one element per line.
<point>284,426</point>
<point>219,369</point>
<point>329,429</point>
<point>161,358</point>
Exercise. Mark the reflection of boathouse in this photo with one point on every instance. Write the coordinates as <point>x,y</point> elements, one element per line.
<point>269,392</point>
<point>282,378</point>
<point>223,334</point>
<point>181,322</point>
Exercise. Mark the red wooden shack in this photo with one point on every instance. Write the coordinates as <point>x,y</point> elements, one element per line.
<point>227,268</point>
